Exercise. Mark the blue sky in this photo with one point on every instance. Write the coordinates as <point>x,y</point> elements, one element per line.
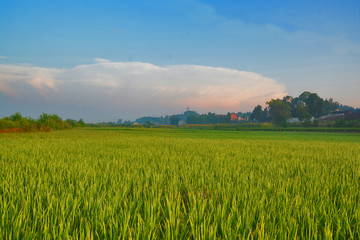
<point>103,60</point>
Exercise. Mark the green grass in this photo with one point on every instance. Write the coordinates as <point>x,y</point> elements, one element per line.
<point>179,184</point>
<point>270,127</point>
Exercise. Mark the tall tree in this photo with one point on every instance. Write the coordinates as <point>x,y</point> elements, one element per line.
<point>303,113</point>
<point>329,106</point>
<point>279,111</point>
<point>174,120</point>
<point>266,114</point>
<point>313,103</point>
<point>257,114</point>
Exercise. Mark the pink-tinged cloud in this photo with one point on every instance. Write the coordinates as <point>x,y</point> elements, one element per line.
<point>143,86</point>
<point>14,78</point>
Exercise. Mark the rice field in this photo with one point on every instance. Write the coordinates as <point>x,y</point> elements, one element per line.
<point>179,184</point>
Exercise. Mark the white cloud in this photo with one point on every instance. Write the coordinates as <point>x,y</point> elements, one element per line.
<point>101,60</point>
<point>3,57</point>
<point>143,86</point>
<point>13,78</point>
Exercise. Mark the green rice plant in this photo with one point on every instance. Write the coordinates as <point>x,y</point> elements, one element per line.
<point>179,184</point>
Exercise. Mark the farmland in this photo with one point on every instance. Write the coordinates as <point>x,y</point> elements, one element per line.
<point>179,183</point>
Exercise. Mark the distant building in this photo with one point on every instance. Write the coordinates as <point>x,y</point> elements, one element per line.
<point>293,120</point>
<point>349,115</point>
<point>181,123</point>
<point>233,117</point>
<point>297,120</point>
<point>333,116</point>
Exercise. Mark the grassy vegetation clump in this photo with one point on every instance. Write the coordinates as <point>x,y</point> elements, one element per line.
<point>179,184</point>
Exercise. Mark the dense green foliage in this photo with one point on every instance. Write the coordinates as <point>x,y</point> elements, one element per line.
<point>45,122</point>
<point>353,128</point>
<point>168,184</point>
<point>304,107</point>
<point>258,114</point>
<point>190,117</point>
<point>279,112</point>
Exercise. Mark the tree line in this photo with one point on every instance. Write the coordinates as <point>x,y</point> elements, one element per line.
<point>305,107</point>
<point>45,122</point>
<point>192,117</point>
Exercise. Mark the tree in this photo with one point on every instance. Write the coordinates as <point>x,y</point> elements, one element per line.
<point>303,113</point>
<point>293,104</point>
<point>192,119</point>
<point>313,102</point>
<point>279,111</point>
<point>315,105</point>
<point>148,124</point>
<point>266,115</point>
<point>222,119</point>
<point>211,118</point>
<point>190,113</point>
<point>81,123</point>
<point>174,120</point>
<point>228,117</point>
<point>257,114</point>
<point>16,117</point>
<point>47,121</point>
<point>72,122</point>
<point>329,106</point>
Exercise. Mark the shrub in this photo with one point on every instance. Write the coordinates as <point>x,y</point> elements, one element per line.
<point>7,123</point>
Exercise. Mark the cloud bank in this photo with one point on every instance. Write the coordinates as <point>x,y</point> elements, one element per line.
<point>143,88</point>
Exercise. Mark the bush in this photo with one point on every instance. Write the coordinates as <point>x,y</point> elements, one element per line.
<point>306,123</point>
<point>16,117</point>
<point>316,123</point>
<point>72,123</point>
<point>45,123</point>
<point>352,123</point>
<point>267,125</point>
<point>340,122</point>
<point>28,124</point>
<point>7,123</point>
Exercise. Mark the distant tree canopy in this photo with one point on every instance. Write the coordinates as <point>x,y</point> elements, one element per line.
<point>190,117</point>
<point>309,105</point>
<point>279,111</point>
<point>209,118</point>
<point>303,107</point>
<point>45,122</point>
<point>312,102</point>
<point>302,113</point>
<point>257,114</point>
<point>174,120</point>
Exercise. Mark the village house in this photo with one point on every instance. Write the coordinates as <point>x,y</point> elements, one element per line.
<point>181,123</point>
<point>233,117</point>
<point>333,116</point>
